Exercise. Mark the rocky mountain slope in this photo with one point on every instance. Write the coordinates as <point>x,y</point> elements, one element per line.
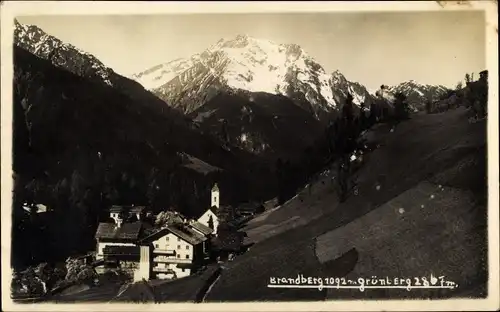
<point>242,63</point>
<point>66,56</point>
<point>63,55</point>
<point>417,94</point>
<point>341,87</point>
<point>254,65</point>
<point>86,137</point>
<point>80,147</point>
<point>235,78</point>
<point>261,123</point>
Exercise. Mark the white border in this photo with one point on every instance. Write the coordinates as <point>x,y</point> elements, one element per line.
<point>15,8</point>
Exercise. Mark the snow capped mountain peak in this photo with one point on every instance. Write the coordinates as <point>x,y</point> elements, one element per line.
<point>245,63</point>
<point>338,78</point>
<point>418,93</point>
<point>35,40</point>
<point>240,41</point>
<point>341,87</point>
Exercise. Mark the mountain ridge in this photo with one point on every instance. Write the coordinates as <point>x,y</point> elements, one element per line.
<point>33,39</point>
<point>418,94</point>
<point>250,64</point>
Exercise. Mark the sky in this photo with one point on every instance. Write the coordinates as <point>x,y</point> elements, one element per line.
<point>372,48</point>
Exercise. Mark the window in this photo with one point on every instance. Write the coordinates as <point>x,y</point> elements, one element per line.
<point>182,270</point>
<point>178,256</point>
<point>187,247</point>
<point>157,245</point>
<point>178,246</point>
<point>215,198</point>
<point>187,256</point>
<point>178,239</point>
<point>166,238</point>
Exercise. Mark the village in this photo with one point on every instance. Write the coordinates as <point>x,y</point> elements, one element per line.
<point>172,246</point>
<point>141,246</point>
<point>153,250</point>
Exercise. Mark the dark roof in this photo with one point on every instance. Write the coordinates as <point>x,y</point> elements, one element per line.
<point>186,233</point>
<point>148,229</point>
<point>153,235</point>
<point>116,209</point>
<point>122,251</point>
<point>127,231</point>
<point>180,230</point>
<point>214,209</point>
<point>132,209</point>
<point>137,209</point>
<point>201,227</point>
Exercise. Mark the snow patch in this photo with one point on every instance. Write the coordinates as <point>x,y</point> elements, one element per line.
<point>251,64</point>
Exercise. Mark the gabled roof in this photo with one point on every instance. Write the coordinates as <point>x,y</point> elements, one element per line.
<point>186,233</point>
<point>201,227</point>
<point>137,209</point>
<point>115,208</point>
<point>127,231</point>
<point>130,209</point>
<point>183,231</point>
<point>154,235</point>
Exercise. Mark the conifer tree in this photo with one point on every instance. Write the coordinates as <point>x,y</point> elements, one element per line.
<point>211,222</point>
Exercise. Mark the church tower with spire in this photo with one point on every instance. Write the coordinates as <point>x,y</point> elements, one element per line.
<point>215,196</point>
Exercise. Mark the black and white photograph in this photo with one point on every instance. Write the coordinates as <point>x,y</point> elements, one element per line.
<point>293,154</point>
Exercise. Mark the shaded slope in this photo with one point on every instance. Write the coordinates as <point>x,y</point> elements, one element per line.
<point>401,163</point>
<point>80,146</point>
<point>264,124</point>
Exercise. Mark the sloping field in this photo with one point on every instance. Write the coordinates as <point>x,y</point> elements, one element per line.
<point>450,228</point>
<point>407,155</point>
<point>426,230</point>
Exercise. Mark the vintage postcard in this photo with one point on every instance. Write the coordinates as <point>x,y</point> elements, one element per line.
<point>264,156</point>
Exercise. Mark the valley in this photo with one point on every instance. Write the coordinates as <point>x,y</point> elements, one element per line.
<point>267,124</point>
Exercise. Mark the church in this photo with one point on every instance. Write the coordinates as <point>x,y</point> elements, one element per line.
<point>210,218</point>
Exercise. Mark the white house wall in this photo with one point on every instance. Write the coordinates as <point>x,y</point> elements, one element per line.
<point>115,216</point>
<point>206,216</point>
<point>172,242</point>
<point>184,254</point>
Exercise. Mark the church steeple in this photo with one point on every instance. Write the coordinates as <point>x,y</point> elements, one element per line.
<point>215,196</point>
<point>215,188</point>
